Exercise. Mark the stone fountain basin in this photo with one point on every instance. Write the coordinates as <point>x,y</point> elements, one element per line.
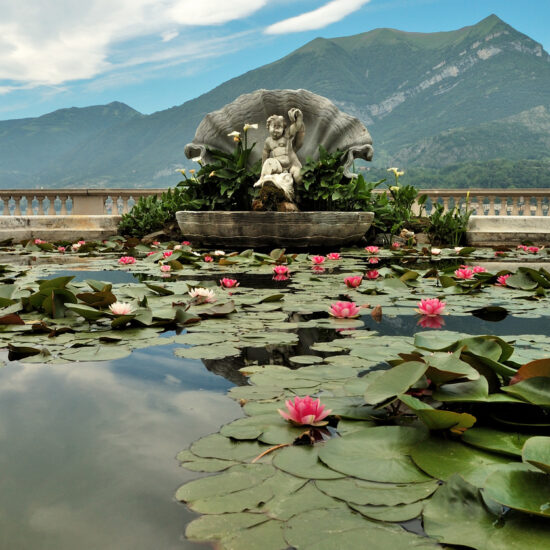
<point>273,229</point>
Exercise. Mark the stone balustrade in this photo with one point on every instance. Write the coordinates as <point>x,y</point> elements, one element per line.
<point>491,202</point>
<point>483,202</point>
<point>63,202</point>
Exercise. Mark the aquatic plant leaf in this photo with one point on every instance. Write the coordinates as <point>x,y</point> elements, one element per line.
<point>213,351</point>
<point>376,454</point>
<point>537,368</point>
<point>522,280</point>
<point>96,353</point>
<point>457,514</point>
<point>520,490</point>
<point>442,340</point>
<point>507,443</point>
<point>394,381</point>
<point>305,359</point>
<point>360,492</point>
<point>239,488</point>
<point>57,283</point>
<point>224,448</point>
<point>399,513</point>
<point>218,310</point>
<point>533,390</point>
<point>342,528</point>
<point>89,313</point>
<point>190,461</point>
<point>219,527</point>
<point>536,451</point>
<point>269,428</point>
<point>442,458</point>
<point>307,497</point>
<point>302,461</point>
<point>444,367</point>
<point>438,419</point>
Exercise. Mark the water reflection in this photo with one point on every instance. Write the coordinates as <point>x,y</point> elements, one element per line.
<point>88,451</point>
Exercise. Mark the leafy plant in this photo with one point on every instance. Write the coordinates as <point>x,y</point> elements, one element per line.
<point>151,213</point>
<point>448,227</point>
<point>227,183</point>
<point>325,187</point>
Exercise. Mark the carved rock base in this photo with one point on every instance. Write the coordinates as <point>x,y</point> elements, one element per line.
<point>273,229</point>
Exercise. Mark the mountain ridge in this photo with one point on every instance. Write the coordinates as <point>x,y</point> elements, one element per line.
<point>420,94</point>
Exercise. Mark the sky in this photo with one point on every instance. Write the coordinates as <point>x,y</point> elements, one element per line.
<point>155,54</point>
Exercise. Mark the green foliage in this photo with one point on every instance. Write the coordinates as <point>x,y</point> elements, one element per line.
<point>227,183</point>
<point>448,227</point>
<point>325,187</point>
<point>150,214</point>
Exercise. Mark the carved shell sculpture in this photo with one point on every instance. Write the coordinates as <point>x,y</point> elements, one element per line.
<point>325,125</point>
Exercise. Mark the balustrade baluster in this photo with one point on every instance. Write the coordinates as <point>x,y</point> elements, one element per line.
<point>445,201</point>
<point>17,205</point>
<point>63,206</point>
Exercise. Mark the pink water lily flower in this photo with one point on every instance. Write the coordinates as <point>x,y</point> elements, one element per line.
<point>372,249</point>
<point>502,280</point>
<point>127,260</point>
<point>165,268</point>
<point>374,260</point>
<point>353,282</point>
<point>317,260</point>
<point>431,321</point>
<point>464,273</point>
<point>478,269</point>
<point>151,253</point>
<point>76,246</point>
<point>435,251</point>
<point>372,274</point>
<point>344,310</point>
<point>280,269</point>
<point>167,253</point>
<point>155,243</point>
<point>333,256</point>
<point>396,245</point>
<point>500,253</point>
<point>121,308</point>
<point>431,307</point>
<point>39,241</point>
<point>208,259</point>
<point>81,242</point>
<point>61,249</point>
<point>185,243</point>
<point>229,283</point>
<point>305,411</point>
<point>533,249</point>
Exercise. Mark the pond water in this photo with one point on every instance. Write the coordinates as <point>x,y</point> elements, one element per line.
<point>88,448</point>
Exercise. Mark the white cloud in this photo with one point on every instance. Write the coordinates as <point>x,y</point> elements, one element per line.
<point>317,19</point>
<point>48,43</point>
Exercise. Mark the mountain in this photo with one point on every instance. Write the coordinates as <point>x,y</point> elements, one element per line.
<point>432,100</point>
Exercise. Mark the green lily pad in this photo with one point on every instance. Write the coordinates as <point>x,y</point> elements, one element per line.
<point>400,513</point>
<point>394,381</point>
<point>520,490</point>
<point>536,451</point>
<point>268,428</point>
<point>213,351</point>
<point>534,390</point>
<point>341,528</point>
<point>218,446</point>
<point>360,492</point>
<point>441,459</point>
<point>376,454</point>
<point>508,443</point>
<point>238,489</point>
<point>457,514</point>
<point>302,461</point>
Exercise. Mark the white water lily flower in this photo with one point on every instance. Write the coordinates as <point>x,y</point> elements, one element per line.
<point>234,134</point>
<point>247,127</point>
<point>219,253</point>
<point>121,308</point>
<point>203,294</point>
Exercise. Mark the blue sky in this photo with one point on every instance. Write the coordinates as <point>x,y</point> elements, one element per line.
<point>154,54</point>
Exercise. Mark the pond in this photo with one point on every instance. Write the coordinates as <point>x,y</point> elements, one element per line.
<point>89,446</point>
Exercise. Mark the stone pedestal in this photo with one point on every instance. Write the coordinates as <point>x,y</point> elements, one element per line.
<point>273,229</point>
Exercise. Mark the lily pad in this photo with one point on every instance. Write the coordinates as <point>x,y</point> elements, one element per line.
<point>524,491</point>
<point>376,454</point>
<point>508,443</point>
<point>303,461</point>
<point>536,451</point>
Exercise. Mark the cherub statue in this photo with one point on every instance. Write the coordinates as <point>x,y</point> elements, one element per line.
<point>280,164</point>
